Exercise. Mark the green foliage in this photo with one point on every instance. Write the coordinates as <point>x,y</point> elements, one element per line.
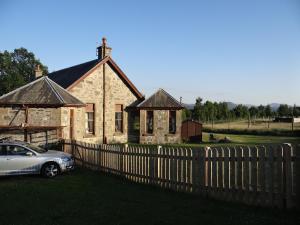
<point>296,111</point>
<point>197,112</point>
<point>211,112</point>
<point>253,111</point>
<point>241,111</point>
<point>186,114</point>
<point>268,111</point>
<point>17,68</point>
<point>283,110</point>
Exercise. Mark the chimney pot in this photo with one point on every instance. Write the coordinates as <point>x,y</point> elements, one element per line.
<point>38,72</point>
<point>103,50</point>
<point>104,41</point>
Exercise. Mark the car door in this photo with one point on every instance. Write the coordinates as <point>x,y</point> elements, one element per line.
<point>2,160</point>
<point>18,161</point>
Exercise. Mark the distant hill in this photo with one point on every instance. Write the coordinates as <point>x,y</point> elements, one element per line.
<point>274,106</point>
<point>188,106</point>
<point>231,105</point>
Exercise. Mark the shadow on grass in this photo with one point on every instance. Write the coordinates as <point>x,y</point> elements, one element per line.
<point>88,197</point>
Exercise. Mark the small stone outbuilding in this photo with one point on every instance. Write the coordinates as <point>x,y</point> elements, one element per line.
<point>160,119</point>
<point>34,111</point>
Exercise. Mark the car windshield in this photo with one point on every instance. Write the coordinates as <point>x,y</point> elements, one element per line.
<point>36,149</point>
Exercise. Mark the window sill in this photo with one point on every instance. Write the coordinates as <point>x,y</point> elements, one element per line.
<point>147,134</point>
<point>173,134</point>
<point>89,136</point>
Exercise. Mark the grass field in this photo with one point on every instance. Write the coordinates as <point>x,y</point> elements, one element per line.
<point>252,139</point>
<point>87,197</point>
<point>257,125</point>
<point>237,139</point>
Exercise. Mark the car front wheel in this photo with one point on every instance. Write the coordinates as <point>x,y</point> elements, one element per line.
<point>50,170</point>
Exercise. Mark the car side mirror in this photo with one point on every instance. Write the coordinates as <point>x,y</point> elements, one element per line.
<point>29,154</point>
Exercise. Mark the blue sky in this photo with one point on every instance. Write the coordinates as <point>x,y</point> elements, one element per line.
<point>222,50</point>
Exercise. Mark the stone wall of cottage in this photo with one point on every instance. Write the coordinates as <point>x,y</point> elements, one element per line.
<point>90,90</point>
<point>36,117</point>
<point>78,123</point>
<point>161,133</point>
<point>116,93</point>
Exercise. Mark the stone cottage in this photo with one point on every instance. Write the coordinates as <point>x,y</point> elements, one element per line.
<point>160,119</point>
<point>108,106</point>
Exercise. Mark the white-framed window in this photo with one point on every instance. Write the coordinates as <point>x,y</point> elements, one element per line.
<point>90,118</point>
<point>119,118</point>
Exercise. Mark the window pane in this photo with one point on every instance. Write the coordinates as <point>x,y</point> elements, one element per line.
<point>91,126</point>
<point>89,118</point>
<point>172,122</point>
<point>118,115</point>
<point>149,122</point>
<point>90,122</point>
<point>118,118</point>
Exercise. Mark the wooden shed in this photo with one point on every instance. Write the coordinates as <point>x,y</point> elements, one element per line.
<point>191,131</point>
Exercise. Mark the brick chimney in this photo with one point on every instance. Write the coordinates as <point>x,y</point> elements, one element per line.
<point>103,50</point>
<point>38,72</point>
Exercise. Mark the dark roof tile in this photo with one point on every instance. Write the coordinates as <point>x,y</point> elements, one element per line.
<point>41,92</point>
<point>66,77</point>
<point>161,99</point>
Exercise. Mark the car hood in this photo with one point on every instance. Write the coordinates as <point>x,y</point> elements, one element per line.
<point>55,153</point>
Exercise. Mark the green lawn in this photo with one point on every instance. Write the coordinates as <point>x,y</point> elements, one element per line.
<point>86,197</point>
<point>239,139</point>
<point>253,139</point>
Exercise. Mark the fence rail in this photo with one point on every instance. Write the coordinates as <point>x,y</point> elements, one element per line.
<point>265,175</point>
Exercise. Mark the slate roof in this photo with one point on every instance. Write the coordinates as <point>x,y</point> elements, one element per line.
<point>42,92</point>
<point>66,77</point>
<point>161,100</point>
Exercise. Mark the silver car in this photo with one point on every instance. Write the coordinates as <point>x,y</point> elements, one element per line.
<point>17,158</point>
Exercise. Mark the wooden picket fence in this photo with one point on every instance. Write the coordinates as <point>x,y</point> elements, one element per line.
<point>264,175</point>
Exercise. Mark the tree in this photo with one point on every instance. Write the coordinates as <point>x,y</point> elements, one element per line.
<point>223,111</point>
<point>253,111</point>
<point>296,111</point>
<point>197,109</point>
<point>268,113</point>
<point>17,68</point>
<point>283,110</point>
<point>186,114</point>
<point>210,111</point>
<point>241,111</point>
<point>261,111</point>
